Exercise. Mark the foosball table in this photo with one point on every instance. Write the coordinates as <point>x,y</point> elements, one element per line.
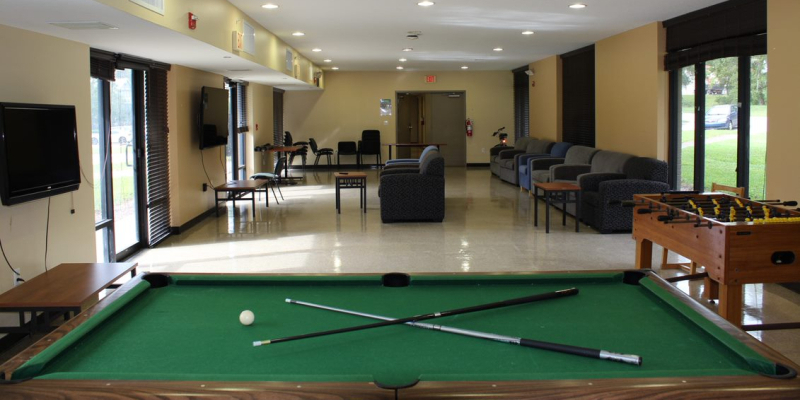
<point>737,240</point>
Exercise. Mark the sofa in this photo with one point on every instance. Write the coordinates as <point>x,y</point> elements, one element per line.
<point>602,193</point>
<point>604,161</point>
<point>509,160</point>
<point>559,150</point>
<point>414,194</point>
<point>576,155</point>
<point>494,153</point>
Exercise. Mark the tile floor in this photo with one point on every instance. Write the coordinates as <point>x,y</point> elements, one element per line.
<point>488,227</point>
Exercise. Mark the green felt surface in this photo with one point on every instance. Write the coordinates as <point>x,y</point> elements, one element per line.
<point>190,330</point>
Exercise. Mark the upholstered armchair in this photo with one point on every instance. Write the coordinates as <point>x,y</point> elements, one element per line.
<point>409,194</point>
<point>602,193</point>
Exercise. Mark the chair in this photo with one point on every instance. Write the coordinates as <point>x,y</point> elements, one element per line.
<point>370,145</point>
<point>287,141</point>
<point>326,151</point>
<point>273,179</point>
<point>409,194</point>
<point>347,149</point>
<point>692,266</point>
<point>409,162</point>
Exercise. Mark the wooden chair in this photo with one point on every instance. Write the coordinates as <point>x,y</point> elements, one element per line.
<point>692,266</point>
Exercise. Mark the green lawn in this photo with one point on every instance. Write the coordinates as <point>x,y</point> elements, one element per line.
<point>123,184</point>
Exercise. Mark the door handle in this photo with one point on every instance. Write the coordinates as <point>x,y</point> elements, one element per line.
<point>128,151</point>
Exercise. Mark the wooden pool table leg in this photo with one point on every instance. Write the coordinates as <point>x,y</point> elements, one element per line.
<point>644,254</point>
<point>730,303</point>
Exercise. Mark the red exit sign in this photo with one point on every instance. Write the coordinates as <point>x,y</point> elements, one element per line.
<point>430,78</point>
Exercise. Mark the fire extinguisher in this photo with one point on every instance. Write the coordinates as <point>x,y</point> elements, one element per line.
<point>469,127</point>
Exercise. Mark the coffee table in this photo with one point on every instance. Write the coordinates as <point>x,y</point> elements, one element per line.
<point>351,180</point>
<point>558,191</point>
<point>237,190</point>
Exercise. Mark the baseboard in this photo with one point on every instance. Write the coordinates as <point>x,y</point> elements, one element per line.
<point>177,230</point>
<point>477,165</point>
<point>334,166</point>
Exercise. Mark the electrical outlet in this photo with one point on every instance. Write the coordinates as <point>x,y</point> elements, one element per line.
<point>205,187</point>
<point>15,277</point>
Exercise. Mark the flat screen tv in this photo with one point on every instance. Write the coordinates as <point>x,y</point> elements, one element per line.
<point>39,149</point>
<point>213,117</point>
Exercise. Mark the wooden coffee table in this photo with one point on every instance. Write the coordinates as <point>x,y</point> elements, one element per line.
<point>351,180</point>
<point>237,190</point>
<point>558,191</point>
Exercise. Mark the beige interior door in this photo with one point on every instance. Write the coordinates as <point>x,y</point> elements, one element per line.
<point>445,116</point>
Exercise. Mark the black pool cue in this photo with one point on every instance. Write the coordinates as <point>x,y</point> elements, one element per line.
<point>537,344</point>
<point>505,303</point>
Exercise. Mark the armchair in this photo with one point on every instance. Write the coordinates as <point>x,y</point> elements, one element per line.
<point>409,162</point>
<point>602,193</point>
<point>370,145</point>
<point>414,194</point>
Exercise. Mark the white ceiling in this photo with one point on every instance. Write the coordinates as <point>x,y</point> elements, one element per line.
<point>365,35</point>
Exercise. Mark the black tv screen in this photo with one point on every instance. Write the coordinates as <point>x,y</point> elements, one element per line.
<point>39,148</point>
<point>213,117</point>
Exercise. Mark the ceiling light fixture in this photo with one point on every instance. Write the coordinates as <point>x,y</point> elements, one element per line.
<point>335,68</point>
<point>399,67</point>
<point>464,67</point>
<point>298,33</point>
<point>498,49</point>
<point>270,6</point>
<point>403,60</point>
<point>327,60</point>
<point>527,32</point>
<point>408,49</point>
<point>316,50</point>
<point>425,3</point>
<point>577,6</point>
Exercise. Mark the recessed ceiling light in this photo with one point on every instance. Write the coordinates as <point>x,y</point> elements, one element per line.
<point>335,68</point>
<point>408,49</point>
<point>403,60</point>
<point>498,49</point>
<point>399,67</point>
<point>316,50</point>
<point>327,60</point>
<point>577,6</point>
<point>298,34</point>
<point>270,6</point>
<point>527,32</point>
<point>464,67</point>
<point>425,3</point>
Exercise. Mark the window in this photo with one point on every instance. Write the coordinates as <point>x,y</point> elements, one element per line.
<point>235,150</point>
<point>578,96</point>
<point>522,108</point>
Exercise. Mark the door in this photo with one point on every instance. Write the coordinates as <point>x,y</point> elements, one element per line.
<point>445,116</point>
<point>407,124</point>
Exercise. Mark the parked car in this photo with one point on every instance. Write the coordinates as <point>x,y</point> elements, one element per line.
<point>722,117</point>
<point>119,134</point>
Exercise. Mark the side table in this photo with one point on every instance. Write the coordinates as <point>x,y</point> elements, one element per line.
<point>351,180</point>
<point>558,191</point>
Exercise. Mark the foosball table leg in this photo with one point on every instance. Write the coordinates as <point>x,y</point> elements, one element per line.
<point>730,303</point>
<point>644,254</point>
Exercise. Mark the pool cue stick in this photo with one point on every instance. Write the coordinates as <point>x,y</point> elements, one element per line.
<point>561,348</point>
<point>481,307</point>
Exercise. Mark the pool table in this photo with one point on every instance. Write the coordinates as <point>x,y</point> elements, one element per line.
<point>175,335</point>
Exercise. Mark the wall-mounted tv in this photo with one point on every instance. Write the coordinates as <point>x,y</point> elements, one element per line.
<point>39,151</point>
<point>213,117</point>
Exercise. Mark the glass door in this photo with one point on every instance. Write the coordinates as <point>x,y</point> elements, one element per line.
<point>123,161</point>
<point>721,121</point>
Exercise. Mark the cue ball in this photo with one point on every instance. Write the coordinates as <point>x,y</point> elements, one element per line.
<point>247,317</point>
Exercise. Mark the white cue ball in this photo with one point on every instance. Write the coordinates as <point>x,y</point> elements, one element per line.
<point>247,317</point>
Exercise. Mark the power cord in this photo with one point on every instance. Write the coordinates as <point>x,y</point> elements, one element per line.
<point>46,234</point>
<point>202,161</point>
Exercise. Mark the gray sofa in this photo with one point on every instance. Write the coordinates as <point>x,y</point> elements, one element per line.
<point>410,194</point>
<point>494,153</point>
<point>576,155</point>
<point>509,161</point>
<point>603,161</point>
<point>559,150</point>
<point>602,193</point>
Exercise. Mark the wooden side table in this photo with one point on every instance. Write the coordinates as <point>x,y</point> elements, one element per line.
<point>237,190</point>
<point>351,180</point>
<point>558,191</point>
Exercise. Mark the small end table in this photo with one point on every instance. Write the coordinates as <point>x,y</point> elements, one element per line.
<point>558,191</point>
<point>351,180</point>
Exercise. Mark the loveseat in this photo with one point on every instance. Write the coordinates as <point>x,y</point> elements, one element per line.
<point>525,162</point>
<point>509,160</point>
<point>494,153</point>
<point>576,155</point>
<point>411,194</point>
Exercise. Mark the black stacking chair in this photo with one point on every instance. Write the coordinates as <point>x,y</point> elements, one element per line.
<point>287,141</point>
<point>370,145</point>
<point>273,179</point>
<point>347,149</point>
<point>326,151</point>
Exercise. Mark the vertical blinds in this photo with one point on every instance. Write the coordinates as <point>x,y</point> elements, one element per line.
<point>157,147</point>
<point>277,116</point>
<point>521,103</point>
<point>241,107</point>
<point>578,96</point>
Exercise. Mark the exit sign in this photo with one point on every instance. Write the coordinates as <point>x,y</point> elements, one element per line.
<point>430,78</point>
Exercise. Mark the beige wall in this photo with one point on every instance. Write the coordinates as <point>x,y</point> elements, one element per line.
<point>783,132</point>
<point>218,20</point>
<point>545,99</point>
<point>29,76</point>
<point>632,93</point>
<point>350,104</point>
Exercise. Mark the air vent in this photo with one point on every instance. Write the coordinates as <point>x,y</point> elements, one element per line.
<point>239,70</point>
<point>83,25</point>
<point>413,35</point>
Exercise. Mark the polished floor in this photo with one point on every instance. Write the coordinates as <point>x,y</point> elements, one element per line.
<point>488,227</point>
